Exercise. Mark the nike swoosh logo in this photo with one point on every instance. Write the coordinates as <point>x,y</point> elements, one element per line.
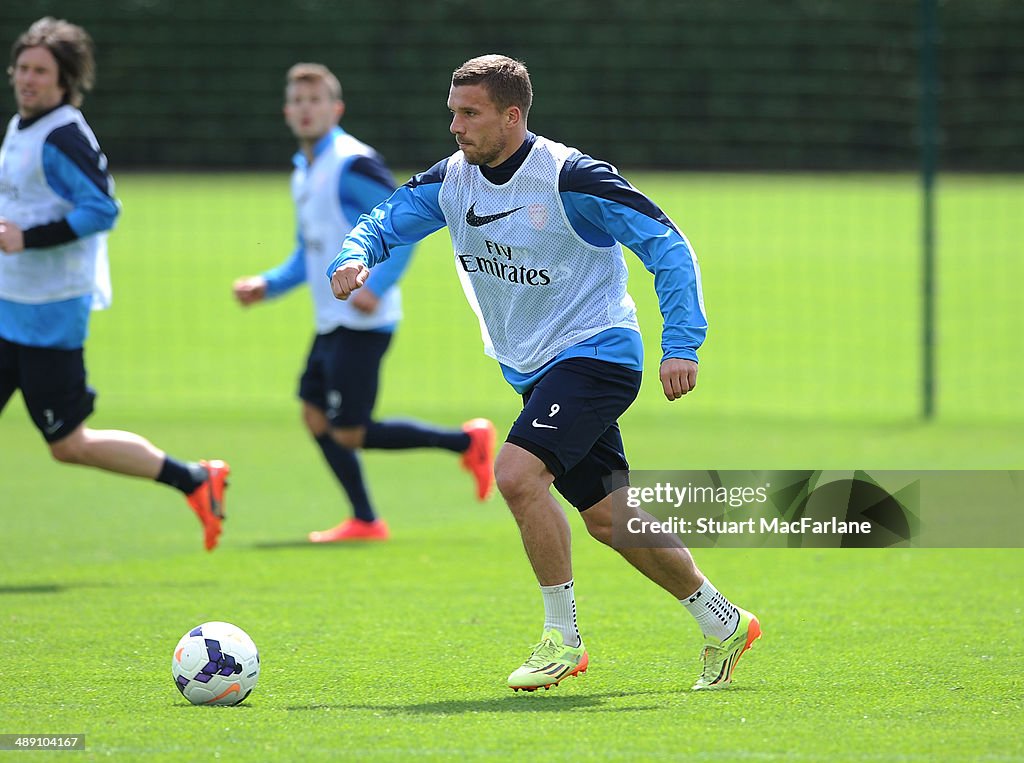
<point>472,218</point>
<point>54,427</point>
<point>226,692</point>
<point>543,426</point>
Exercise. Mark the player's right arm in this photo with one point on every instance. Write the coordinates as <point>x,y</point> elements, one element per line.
<point>410,214</point>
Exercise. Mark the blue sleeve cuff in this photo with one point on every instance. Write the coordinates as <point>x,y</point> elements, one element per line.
<point>687,353</point>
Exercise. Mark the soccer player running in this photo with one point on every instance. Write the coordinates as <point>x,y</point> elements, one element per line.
<point>56,205</point>
<point>336,179</point>
<point>536,229</point>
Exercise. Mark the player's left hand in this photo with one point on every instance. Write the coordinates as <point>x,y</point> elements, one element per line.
<point>678,376</point>
<point>11,239</point>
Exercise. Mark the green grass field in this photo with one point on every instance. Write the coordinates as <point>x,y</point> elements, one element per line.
<point>401,650</point>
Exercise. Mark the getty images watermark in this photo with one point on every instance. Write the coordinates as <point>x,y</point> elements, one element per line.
<point>734,498</point>
<point>842,509</point>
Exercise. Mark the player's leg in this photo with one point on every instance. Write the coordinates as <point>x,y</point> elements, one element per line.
<point>111,450</point>
<point>335,412</point>
<point>524,482</point>
<point>563,415</point>
<point>53,383</point>
<point>596,486</point>
<point>474,441</point>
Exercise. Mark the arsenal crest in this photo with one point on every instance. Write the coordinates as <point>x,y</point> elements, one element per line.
<point>538,216</point>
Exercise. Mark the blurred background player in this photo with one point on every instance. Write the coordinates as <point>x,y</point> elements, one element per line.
<point>556,315</point>
<point>336,179</point>
<point>56,205</point>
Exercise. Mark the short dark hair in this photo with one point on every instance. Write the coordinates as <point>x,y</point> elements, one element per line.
<point>507,80</point>
<point>305,72</point>
<point>70,45</point>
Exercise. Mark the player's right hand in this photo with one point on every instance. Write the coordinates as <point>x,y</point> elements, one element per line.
<point>12,240</point>
<point>348,277</point>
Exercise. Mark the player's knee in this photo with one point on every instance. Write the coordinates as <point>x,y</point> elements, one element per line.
<point>69,450</point>
<point>349,437</point>
<point>315,420</point>
<point>509,480</point>
<point>520,477</point>
<point>516,485</point>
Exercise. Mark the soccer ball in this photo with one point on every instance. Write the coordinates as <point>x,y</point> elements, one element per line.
<point>215,664</point>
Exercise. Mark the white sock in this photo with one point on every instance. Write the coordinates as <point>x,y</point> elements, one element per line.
<point>560,611</point>
<point>715,614</point>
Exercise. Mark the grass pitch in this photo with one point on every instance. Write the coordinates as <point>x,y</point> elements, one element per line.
<point>400,650</point>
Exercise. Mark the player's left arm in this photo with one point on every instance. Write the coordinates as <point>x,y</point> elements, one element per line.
<point>603,206</point>
<point>76,170</point>
<point>364,183</point>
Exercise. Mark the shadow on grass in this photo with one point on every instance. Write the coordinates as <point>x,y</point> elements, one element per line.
<point>35,588</point>
<point>240,707</point>
<point>520,702</point>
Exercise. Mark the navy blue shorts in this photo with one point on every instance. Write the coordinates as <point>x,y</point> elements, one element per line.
<point>52,383</point>
<point>570,422</point>
<point>343,374</point>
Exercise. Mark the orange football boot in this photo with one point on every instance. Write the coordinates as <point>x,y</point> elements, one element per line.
<point>207,501</point>
<point>478,458</point>
<point>352,529</point>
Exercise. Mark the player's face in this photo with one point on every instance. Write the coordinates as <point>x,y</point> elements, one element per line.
<point>310,110</point>
<point>479,127</point>
<point>36,81</point>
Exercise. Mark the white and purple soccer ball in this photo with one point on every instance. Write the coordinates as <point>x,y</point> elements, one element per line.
<point>215,664</point>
